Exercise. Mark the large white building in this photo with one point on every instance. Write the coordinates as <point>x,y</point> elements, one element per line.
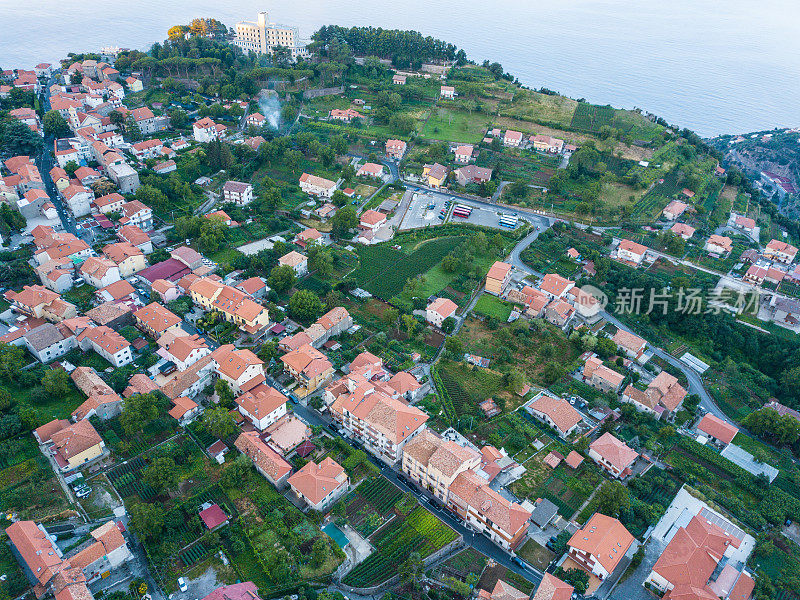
<point>262,37</point>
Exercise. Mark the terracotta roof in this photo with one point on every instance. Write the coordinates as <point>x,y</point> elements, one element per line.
<point>93,403</point>
<point>35,548</point>
<point>717,428</point>
<point>552,588</point>
<point>317,181</point>
<point>232,362</point>
<point>237,591</point>
<point>118,290</point>
<point>447,457</point>
<point>404,382</point>
<point>693,553</point>
<point>498,271</point>
<point>561,412</point>
<point>182,406</point>
<point>614,451</point>
<point>77,438</point>
<point>632,247</point>
<point>666,390</point>
<point>574,459</point>
<point>555,284</point>
<point>213,516</point>
<point>139,383</point>
<point>89,382</point>
<point>292,259</point>
<point>318,481</point>
<point>261,401</point>
<point>443,306</point>
<point>107,312</point>
<point>372,217</point>
<point>605,538</point>
<point>250,444</point>
<point>157,317</point>
<point>475,491</point>
<point>505,591</point>
<point>594,366</point>
<point>628,341</point>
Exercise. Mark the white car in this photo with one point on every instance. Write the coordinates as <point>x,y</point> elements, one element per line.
<point>182,584</point>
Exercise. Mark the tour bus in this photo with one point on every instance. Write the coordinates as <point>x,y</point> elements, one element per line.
<point>508,221</point>
<point>462,210</point>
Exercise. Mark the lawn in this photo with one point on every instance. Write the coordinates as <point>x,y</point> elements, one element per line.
<point>535,555</point>
<point>544,108</point>
<point>451,125</point>
<point>491,306</point>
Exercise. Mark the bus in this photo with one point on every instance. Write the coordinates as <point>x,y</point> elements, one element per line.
<point>461,210</point>
<point>509,221</point>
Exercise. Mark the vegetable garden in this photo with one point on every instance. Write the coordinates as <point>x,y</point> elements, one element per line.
<point>420,532</point>
<point>591,118</point>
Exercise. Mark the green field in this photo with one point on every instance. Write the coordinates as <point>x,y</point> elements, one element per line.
<point>491,306</point>
<point>591,118</point>
<point>455,126</point>
<point>384,270</point>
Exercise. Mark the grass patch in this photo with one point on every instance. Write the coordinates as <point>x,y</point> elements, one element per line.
<point>451,125</point>
<point>491,306</point>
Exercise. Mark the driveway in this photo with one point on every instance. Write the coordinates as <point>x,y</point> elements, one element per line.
<point>632,588</point>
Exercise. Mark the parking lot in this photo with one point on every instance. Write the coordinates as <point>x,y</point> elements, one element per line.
<point>482,215</point>
<point>418,213</point>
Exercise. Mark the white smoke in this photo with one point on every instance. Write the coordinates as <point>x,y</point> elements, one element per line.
<point>271,108</point>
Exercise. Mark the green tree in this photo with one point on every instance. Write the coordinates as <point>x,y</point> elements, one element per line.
<point>71,167</point>
<point>12,359</point>
<point>344,221</point>
<point>612,497</point>
<point>132,130</point>
<point>55,125</point>
<point>139,411</point>
<point>147,520</point>
<point>575,577</point>
<point>455,347</point>
<point>56,382</point>
<point>161,474</point>
<point>224,393</point>
<point>17,138</point>
<point>305,306</point>
<point>281,278</point>
<point>219,422</point>
<point>411,570</point>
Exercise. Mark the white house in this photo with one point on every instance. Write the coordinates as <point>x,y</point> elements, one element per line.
<point>238,192</point>
<point>317,186</point>
<point>263,406</point>
<point>440,309</point>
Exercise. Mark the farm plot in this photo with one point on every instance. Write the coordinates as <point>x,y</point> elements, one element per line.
<point>462,389</point>
<point>371,505</point>
<point>419,532</point>
<point>462,564</point>
<point>657,198</point>
<point>591,118</point>
<point>384,270</point>
<point>127,478</point>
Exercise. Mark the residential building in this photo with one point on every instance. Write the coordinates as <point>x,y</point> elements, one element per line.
<point>102,406</point>
<point>256,120</point>
<point>262,37</point>
<point>156,320</point>
<point>183,350</point>
<point>346,115</point>
<point>37,301</point>
<point>695,564</point>
<point>780,251</point>
<point>555,285</point>
<point>674,210</point>
<point>396,149</point>
<point>743,223</point>
<point>237,192</point>
<point>308,367</point>
<point>126,178</point>
<point>503,591</point>
<point>107,343</point>
<point>110,203</point>
<point>712,428</point>
<point>504,522</point>
<point>320,485</point>
<point>559,313</point>
<point>718,244</point>
<point>435,175</point>
<point>128,258</point>
<point>463,154</point>
<point>370,170</point>
<point>555,412</point>
<point>334,322</point>
<point>374,414</point>
<point>134,235</point>
<point>238,367</point>
<point>371,220</point>
<point>683,230</point>
<point>48,342</point>
<point>631,252</point>
<point>99,271</point>
<point>439,310</point>
<point>512,138</point>
<point>632,345</point>
<point>317,186</point>
<point>205,130</point>
<point>56,274</point>
<point>600,545</point>
<point>267,461</point>
<point>448,92</point>
<point>184,410</point>
<point>612,455</point>
<point>433,462</point>
<point>136,213</point>
<point>473,174</point>
<point>262,406</point>
<point>552,588</point>
<point>545,143</point>
<point>72,445</point>
<point>497,278</point>
<point>235,305</point>
<point>596,374</point>
<point>308,236</point>
<point>398,79</point>
<point>78,199</point>
<point>297,261</point>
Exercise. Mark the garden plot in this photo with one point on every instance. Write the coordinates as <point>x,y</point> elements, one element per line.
<point>371,505</point>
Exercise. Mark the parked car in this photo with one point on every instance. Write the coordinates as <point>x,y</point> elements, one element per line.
<point>182,584</point>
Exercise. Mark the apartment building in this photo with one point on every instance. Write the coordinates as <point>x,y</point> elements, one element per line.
<point>156,320</point>
<point>99,271</point>
<point>237,192</point>
<point>263,37</point>
<point>498,277</point>
<point>235,305</point>
<point>434,463</point>
<point>780,251</point>
<point>37,301</point>
<point>308,367</point>
<point>373,412</point>
<point>317,186</point>
<point>239,367</point>
<point>128,258</point>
